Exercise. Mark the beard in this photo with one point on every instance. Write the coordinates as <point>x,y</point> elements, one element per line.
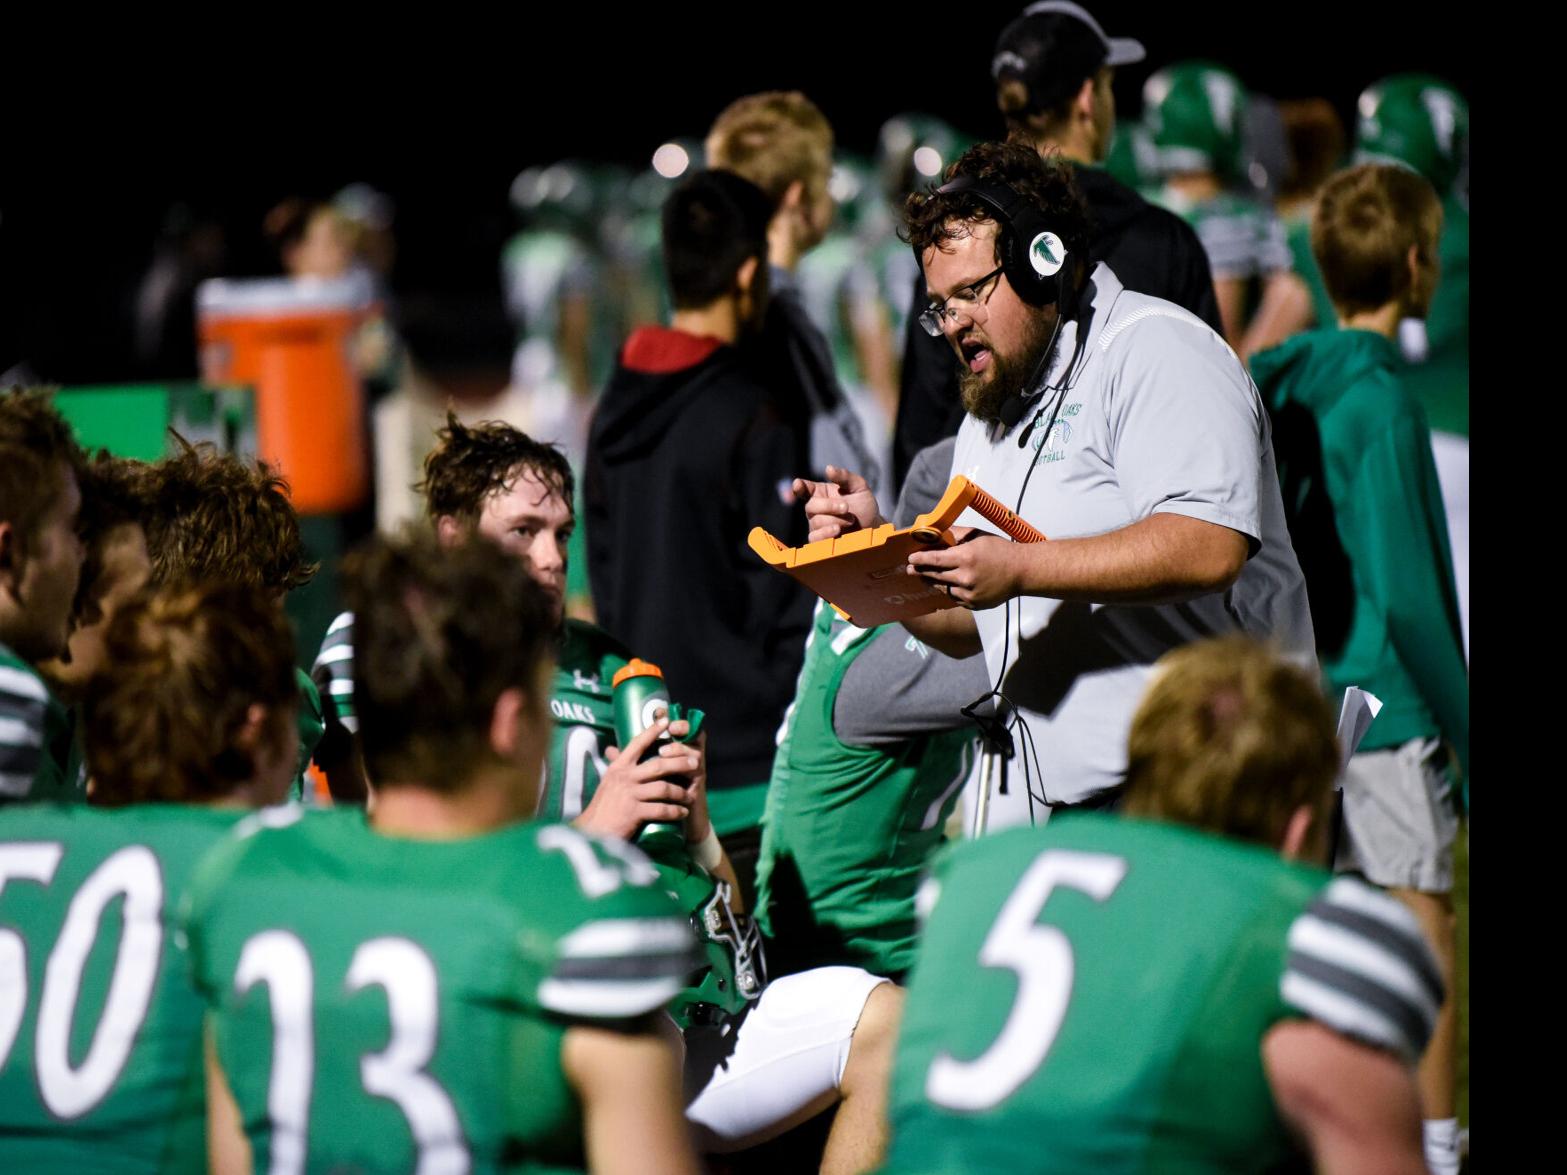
<point>983,393</point>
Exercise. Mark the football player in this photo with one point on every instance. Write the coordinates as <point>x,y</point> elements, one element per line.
<point>40,564</point>
<point>190,721</point>
<point>761,1057</point>
<point>440,984</point>
<point>1179,988</point>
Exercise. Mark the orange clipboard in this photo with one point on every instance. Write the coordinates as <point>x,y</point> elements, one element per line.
<point>864,574</point>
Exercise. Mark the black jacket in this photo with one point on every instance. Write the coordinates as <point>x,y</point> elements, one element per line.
<point>1152,251</point>
<point>685,455</point>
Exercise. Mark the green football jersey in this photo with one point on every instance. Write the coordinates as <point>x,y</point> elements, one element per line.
<point>1092,996</point>
<point>581,702</point>
<point>100,1027</point>
<point>310,723</point>
<point>386,1004</point>
<point>849,830</point>
<point>36,736</point>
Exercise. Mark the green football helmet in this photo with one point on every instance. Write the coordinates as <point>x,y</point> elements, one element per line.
<point>736,967</point>
<point>1417,120</point>
<point>1195,112</point>
<point>913,150</point>
<point>1132,159</point>
<point>560,195</point>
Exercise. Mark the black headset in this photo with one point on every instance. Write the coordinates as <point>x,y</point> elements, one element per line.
<point>1033,257</point>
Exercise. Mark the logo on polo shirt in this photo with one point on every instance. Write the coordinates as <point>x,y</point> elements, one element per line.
<point>1051,444</point>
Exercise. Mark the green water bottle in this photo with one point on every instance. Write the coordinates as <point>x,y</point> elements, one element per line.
<point>639,700</point>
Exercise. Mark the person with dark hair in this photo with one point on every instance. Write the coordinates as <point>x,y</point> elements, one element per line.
<point>1179,988</point>
<point>190,721</point>
<point>1053,67</point>
<point>782,142</point>
<point>521,966</point>
<point>748,1076</point>
<point>40,567</point>
<point>686,430</point>
<point>1118,424</point>
<point>217,516</point>
<point>1375,234</point>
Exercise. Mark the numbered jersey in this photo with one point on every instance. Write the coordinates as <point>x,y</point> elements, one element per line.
<point>1092,996</point>
<point>384,1004</point>
<point>849,829</point>
<point>581,702</point>
<point>100,1028</point>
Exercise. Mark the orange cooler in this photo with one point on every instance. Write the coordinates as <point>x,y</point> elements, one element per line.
<point>292,340</point>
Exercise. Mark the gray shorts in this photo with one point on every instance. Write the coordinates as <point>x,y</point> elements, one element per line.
<point>1400,819</point>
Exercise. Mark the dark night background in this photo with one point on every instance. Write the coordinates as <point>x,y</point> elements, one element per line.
<point>443,117</point>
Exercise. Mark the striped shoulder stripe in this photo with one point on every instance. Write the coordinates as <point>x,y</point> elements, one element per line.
<point>15,783</point>
<point>21,732</point>
<point>343,620</point>
<point>18,683</point>
<point>620,967</point>
<point>1357,963</point>
<point>335,654</point>
<point>608,1000</point>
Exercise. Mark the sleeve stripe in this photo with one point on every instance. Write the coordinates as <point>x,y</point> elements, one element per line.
<point>1398,925</point>
<point>590,998</point>
<point>1413,1023</point>
<point>1342,1014</point>
<point>14,783</point>
<point>645,966</point>
<point>17,732</point>
<point>626,936</point>
<point>335,655</point>
<point>340,688</point>
<point>1408,948</point>
<point>343,620</point>
<point>21,684</point>
<point>1312,937</point>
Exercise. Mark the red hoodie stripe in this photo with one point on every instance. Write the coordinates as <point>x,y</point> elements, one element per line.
<point>658,350</point>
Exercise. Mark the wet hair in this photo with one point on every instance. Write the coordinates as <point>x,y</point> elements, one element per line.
<point>439,634</point>
<point>211,515</point>
<point>164,718</point>
<point>472,462</point>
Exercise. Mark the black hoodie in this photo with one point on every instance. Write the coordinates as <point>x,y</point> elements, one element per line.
<point>685,456</point>
<point>1152,251</point>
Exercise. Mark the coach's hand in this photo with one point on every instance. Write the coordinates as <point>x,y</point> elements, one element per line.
<point>837,506</point>
<point>632,793</point>
<point>980,571</point>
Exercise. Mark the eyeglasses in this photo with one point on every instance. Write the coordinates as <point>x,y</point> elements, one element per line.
<point>968,301</point>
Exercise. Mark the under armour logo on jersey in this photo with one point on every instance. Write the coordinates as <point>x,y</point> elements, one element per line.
<point>586,682</point>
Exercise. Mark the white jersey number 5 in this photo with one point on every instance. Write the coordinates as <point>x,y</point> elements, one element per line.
<point>1042,958</point>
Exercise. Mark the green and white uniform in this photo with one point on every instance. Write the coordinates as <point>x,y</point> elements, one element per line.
<point>1243,239</point>
<point>849,827</point>
<point>1093,995</point>
<point>387,1004</point>
<point>36,747</point>
<point>100,1027</point>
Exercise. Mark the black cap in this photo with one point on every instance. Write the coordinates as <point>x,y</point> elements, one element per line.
<point>1052,48</point>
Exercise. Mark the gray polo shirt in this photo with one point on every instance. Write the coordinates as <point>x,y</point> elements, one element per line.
<point>1155,415</point>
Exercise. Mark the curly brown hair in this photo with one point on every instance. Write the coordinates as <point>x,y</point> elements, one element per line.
<point>471,462</point>
<point>932,218</point>
<point>439,634</point>
<point>116,491</point>
<point>211,515</point>
<point>36,442</point>
<point>163,719</point>
<point>1232,739</point>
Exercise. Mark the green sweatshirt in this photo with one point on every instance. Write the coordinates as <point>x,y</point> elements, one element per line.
<point>1402,640</point>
